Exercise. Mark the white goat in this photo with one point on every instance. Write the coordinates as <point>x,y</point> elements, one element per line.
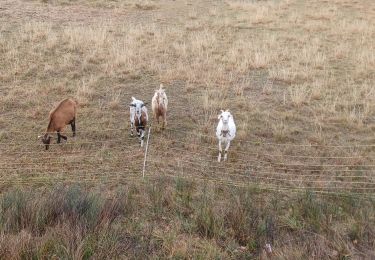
<point>138,118</point>
<point>225,132</point>
<point>160,105</point>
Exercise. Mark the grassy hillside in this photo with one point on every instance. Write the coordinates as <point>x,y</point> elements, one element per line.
<point>183,220</point>
<point>297,76</point>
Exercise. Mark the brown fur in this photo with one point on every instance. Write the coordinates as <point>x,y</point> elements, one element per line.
<point>160,112</point>
<point>143,121</point>
<point>64,114</point>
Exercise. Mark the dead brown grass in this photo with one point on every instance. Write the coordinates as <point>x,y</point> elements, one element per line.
<point>290,71</point>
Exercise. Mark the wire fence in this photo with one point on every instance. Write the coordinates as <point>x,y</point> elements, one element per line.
<point>262,142</point>
<point>115,160</point>
<point>265,187</point>
<point>265,143</point>
<point>263,179</point>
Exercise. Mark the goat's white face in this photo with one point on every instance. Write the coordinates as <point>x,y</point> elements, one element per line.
<point>224,116</point>
<point>138,105</point>
<point>138,109</point>
<point>161,94</point>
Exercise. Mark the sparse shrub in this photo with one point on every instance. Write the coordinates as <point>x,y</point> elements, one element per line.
<point>3,135</point>
<point>208,222</point>
<point>145,5</point>
<point>161,201</point>
<point>312,210</point>
<point>299,95</point>
<point>15,211</point>
<point>280,131</point>
<point>156,219</point>
<point>242,218</point>
<point>184,197</point>
<point>85,92</point>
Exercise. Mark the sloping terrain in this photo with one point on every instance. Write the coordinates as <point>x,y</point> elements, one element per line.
<point>297,77</point>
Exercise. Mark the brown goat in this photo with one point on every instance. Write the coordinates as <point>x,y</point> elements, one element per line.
<point>64,114</point>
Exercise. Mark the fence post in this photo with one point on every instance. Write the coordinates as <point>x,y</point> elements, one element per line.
<point>144,161</point>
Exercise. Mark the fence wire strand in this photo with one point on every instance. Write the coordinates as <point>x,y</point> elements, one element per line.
<point>73,166</point>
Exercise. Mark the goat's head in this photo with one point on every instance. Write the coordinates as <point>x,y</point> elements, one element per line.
<point>138,105</point>
<point>225,116</point>
<point>161,93</point>
<point>46,139</point>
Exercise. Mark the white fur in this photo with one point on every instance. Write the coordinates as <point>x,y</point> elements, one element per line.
<point>164,98</point>
<point>163,102</point>
<point>136,109</point>
<point>226,123</point>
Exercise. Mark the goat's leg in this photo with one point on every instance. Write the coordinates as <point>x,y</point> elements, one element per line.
<point>142,137</point>
<point>220,150</point>
<point>226,150</point>
<point>138,130</point>
<point>164,121</point>
<point>59,136</point>
<point>157,120</point>
<point>73,124</point>
<point>131,129</point>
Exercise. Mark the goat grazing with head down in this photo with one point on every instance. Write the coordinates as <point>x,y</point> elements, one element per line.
<point>64,114</point>
<point>160,105</point>
<point>225,132</point>
<point>138,118</point>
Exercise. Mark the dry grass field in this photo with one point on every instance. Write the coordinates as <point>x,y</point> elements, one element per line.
<point>297,75</point>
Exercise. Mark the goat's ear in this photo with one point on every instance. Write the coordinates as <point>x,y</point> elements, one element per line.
<point>219,116</point>
<point>222,111</point>
<point>133,99</point>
